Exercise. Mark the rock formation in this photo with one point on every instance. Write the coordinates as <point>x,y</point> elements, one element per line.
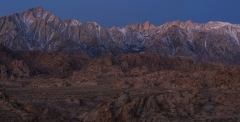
<point>190,105</point>
<point>36,29</point>
<point>3,72</point>
<point>132,87</point>
<point>25,64</point>
<point>56,70</point>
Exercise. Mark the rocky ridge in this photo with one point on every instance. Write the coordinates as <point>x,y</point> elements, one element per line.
<point>26,64</point>
<point>36,29</point>
<point>126,71</point>
<point>117,86</point>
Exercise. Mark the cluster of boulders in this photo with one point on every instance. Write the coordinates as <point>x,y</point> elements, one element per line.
<point>20,111</point>
<point>191,90</point>
<point>218,79</point>
<point>167,105</point>
<point>3,72</point>
<point>186,105</point>
<point>17,110</point>
<point>17,69</point>
<point>11,66</point>
<point>139,70</point>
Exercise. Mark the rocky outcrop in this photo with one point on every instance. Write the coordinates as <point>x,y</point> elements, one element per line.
<point>146,69</point>
<point>160,88</point>
<point>190,105</point>
<point>25,64</point>
<point>20,69</point>
<point>52,64</point>
<point>36,29</point>
<point>3,72</point>
<point>158,104</point>
<point>11,66</point>
<point>131,70</point>
<point>19,111</point>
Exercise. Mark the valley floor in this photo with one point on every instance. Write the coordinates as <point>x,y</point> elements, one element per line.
<point>103,103</point>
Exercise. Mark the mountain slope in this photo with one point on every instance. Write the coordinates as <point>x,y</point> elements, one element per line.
<point>36,29</point>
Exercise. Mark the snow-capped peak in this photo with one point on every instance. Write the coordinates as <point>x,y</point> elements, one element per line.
<point>217,24</point>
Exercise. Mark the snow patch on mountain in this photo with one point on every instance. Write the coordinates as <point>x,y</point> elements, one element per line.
<point>37,14</point>
<point>233,34</point>
<point>123,31</point>
<point>51,18</point>
<point>75,23</point>
<point>140,37</point>
<point>44,15</point>
<point>196,27</point>
<point>217,25</point>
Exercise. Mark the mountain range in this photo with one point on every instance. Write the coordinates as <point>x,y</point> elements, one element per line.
<point>36,29</point>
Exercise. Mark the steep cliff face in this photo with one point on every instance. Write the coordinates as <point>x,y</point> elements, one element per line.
<point>36,29</point>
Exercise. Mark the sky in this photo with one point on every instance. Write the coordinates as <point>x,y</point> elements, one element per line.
<point>110,13</point>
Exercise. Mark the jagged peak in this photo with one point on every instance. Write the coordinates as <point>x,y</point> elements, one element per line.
<point>173,22</point>
<point>147,25</point>
<point>37,12</point>
<point>92,26</point>
<point>91,22</point>
<point>37,9</point>
<point>179,22</point>
<point>185,25</point>
<point>190,22</point>
<point>218,24</point>
<point>73,22</point>
<point>135,26</point>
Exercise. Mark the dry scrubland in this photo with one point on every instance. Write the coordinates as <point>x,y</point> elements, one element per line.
<point>134,87</point>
